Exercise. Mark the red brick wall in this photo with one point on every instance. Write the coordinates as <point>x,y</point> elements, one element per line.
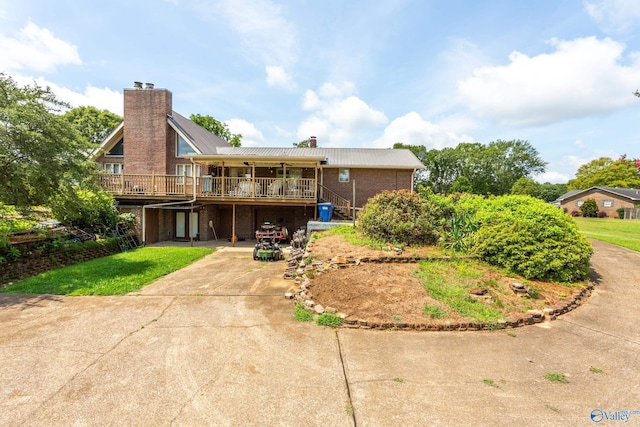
<point>618,202</point>
<point>369,182</point>
<point>147,136</point>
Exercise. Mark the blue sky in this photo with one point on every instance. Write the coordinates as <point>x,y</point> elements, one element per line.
<point>559,74</point>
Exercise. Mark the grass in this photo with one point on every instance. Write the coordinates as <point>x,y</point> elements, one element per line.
<point>625,233</point>
<point>490,383</point>
<point>434,312</point>
<point>596,370</point>
<point>329,319</point>
<point>301,314</point>
<point>556,377</point>
<point>398,380</point>
<point>449,282</point>
<point>113,275</point>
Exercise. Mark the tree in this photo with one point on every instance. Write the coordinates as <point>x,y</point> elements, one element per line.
<point>218,128</point>
<point>41,153</point>
<point>462,184</point>
<point>491,169</point>
<point>526,187</point>
<point>607,172</point>
<point>550,192</point>
<point>302,144</point>
<point>93,124</point>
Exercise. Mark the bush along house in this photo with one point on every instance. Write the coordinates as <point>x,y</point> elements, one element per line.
<point>183,182</point>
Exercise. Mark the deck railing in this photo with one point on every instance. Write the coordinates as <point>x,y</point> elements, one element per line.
<point>210,187</point>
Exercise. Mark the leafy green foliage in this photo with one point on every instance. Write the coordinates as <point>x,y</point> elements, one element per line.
<point>41,152</point>
<point>526,187</point>
<point>95,125</point>
<point>113,275</point>
<point>607,172</point>
<point>218,128</point>
<point>403,217</point>
<point>589,208</point>
<point>532,238</point>
<point>489,169</point>
<point>86,209</point>
<point>550,192</point>
<point>329,319</point>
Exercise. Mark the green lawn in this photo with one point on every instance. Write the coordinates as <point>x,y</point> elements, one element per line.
<point>113,275</point>
<point>625,233</point>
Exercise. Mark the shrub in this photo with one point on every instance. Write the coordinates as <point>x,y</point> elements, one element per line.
<point>620,212</point>
<point>532,238</point>
<point>88,210</point>
<point>576,213</point>
<point>403,217</point>
<point>602,214</point>
<point>589,208</point>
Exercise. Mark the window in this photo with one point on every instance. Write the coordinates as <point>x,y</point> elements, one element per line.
<point>182,170</point>
<point>114,168</point>
<point>118,149</point>
<point>579,202</point>
<point>182,147</point>
<point>343,175</point>
<point>607,203</point>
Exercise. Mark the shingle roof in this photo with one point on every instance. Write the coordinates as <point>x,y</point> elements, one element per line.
<point>201,138</point>
<point>336,157</point>
<point>630,193</point>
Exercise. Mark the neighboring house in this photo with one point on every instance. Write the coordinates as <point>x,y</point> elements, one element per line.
<point>609,199</point>
<point>183,182</point>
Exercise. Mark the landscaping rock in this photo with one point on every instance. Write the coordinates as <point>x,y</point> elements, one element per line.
<point>318,308</point>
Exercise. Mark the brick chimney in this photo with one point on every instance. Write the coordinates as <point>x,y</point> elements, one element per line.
<point>312,142</point>
<point>146,133</point>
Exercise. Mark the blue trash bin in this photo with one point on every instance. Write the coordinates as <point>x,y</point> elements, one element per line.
<point>325,211</point>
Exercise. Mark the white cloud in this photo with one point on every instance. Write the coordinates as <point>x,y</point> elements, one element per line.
<point>277,76</point>
<point>251,136</point>
<point>581,77</point>
<point>413,129</point>
<point>338,119</point>
<point>101,98</point>
<point>614,15</point>
<point>552,177</point>
<point>36,49</point>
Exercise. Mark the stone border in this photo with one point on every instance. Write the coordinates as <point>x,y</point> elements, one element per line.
<point>301,293</point>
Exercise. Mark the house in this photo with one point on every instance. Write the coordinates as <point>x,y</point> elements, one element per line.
<point>609,199</point>
<point>183,182</point>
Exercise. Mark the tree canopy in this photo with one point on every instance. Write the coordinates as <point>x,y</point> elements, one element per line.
<point>490,169</point>
<point>41,152</point>
<point>93,124</point>
<point>607,172</point>
<point>218,128</point>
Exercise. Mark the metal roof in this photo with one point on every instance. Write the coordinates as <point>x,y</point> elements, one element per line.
<point>334,157</point>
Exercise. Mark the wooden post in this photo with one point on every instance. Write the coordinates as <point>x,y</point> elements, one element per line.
<point>222,178</point>
<point>153,182</point>
<point>233,226</point>
<point>354,201</point>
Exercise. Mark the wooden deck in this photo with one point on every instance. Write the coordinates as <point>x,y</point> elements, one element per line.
<point>269,190</point>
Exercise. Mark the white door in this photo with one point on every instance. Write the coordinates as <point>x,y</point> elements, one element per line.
<point>181,225</point>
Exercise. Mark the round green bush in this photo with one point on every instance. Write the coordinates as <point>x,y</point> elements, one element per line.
<point>589,208</point>
<point>402,217</point>
<point>532,238</point>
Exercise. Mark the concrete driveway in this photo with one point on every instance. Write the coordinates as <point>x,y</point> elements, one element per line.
<point>216,344</point>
